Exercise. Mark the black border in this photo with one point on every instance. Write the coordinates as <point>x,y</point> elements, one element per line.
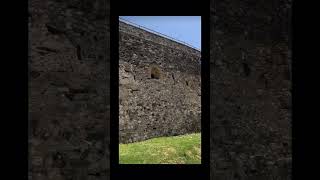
<point>114,90</point>
<point>16,90</point>
<point>156,170</point>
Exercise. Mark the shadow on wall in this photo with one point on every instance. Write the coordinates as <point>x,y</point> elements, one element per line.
<point>155,73</point>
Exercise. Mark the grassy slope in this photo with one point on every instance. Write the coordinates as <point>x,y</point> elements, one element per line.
<point>164,150</point>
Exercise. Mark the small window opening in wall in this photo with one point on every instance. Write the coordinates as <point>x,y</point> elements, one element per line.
<point>246,69</point>
<point>78,52</point>
<point>187,83</point>
<point>155,73</point>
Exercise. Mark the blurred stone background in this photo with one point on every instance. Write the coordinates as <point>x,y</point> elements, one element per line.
<point>69,103</point>
<point>250,89</point>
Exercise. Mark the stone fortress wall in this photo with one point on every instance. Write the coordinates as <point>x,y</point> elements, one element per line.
<point>160,86</point>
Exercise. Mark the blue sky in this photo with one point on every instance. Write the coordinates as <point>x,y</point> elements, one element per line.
<point>183,28</point>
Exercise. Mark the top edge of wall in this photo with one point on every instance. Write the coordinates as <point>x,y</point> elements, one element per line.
<point>159,35</point>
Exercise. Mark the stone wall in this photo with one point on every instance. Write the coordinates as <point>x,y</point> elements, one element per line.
<point>153,36</point>
<point>159,92</point>
<point>69,89</point>
<point>250,83</point>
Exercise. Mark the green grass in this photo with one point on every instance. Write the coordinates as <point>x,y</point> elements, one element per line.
<point>185,149</point>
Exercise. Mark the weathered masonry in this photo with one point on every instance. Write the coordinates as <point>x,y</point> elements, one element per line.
<point>159,93</point>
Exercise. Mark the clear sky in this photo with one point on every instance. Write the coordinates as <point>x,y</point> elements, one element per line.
<point>183,28</point>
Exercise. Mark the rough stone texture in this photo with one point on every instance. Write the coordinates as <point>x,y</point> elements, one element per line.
<point>160,86</point>
<point>159,39</point>
<point>69,86</point>
<point>250,85</point>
